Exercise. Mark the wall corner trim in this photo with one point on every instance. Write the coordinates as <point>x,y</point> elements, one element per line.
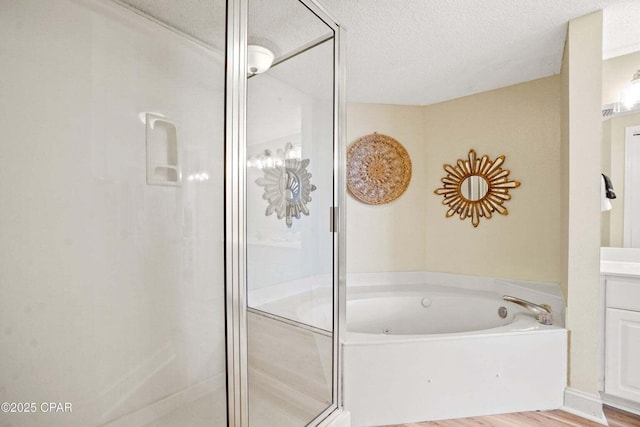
<point>585,405</point>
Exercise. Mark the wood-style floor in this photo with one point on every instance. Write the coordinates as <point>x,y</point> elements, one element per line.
<point>615,418</point>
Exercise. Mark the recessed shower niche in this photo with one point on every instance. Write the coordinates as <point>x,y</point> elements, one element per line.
<point>163,152</point>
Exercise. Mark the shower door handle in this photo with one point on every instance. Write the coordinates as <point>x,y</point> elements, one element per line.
<point>334,212</point>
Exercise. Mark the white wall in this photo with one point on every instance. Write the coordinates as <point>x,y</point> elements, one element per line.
<point>111,291</point>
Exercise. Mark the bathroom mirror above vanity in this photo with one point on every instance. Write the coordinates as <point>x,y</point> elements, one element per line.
<point>620,224</point>
<point>620,143</point>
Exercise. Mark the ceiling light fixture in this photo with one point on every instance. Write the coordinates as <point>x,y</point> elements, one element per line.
<point>259,59</point>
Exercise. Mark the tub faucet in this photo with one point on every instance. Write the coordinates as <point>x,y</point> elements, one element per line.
<point>543,311</point>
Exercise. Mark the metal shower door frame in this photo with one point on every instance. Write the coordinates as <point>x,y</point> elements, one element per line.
<point>235,210</point>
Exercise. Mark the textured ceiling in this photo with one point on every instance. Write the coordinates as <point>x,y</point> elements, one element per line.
<point>280,25</point>
<point>427,51</point>
<point>284,26</point>
<point>621,29</point>
<point>420,52</point>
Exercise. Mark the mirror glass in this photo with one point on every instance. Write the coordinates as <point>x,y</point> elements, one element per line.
<point>289,191</point>
<point>474,187</point>
<point>621,153</point>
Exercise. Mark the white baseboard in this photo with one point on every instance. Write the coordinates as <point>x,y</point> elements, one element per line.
<point>584,405</point>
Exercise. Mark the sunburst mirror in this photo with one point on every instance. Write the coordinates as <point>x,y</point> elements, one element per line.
<point>287,186</point>
<point>476,187</point>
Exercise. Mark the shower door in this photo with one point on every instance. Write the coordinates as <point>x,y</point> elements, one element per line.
<point>291,200</point>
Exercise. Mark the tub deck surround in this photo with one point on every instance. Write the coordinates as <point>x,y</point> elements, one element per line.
<point>519,365</point>
<point>537,292</point>
<point>303,299</point>
<point>306,300</point>
<point>445,377</point>
<point>409,312</point>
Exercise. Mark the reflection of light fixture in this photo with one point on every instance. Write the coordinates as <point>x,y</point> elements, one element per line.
<point>259,59</point>
<point>631,93</point>
<point>270,161</point>
<point>200,176</point>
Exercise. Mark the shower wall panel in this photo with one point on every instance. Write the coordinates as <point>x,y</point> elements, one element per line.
<point>111,290</point>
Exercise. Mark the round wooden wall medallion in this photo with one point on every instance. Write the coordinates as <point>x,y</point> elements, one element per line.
<point>378,169</point>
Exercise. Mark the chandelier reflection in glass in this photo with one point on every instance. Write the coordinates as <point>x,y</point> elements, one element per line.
<point>286,181</point>
<point>630,97</point>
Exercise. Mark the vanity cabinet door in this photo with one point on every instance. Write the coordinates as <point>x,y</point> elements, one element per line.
<point>622,375</point>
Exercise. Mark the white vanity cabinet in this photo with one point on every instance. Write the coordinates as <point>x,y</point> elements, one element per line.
<point>622,337</point>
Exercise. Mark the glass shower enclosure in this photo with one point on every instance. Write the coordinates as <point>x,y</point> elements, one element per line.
<point>170,234</point>
<point>112,222</point>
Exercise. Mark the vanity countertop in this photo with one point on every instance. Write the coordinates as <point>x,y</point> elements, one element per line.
<point>620,261</point>
<point>620,268</point>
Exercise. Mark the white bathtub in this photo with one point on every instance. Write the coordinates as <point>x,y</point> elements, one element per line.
<point>427,310</point>
<point>428,352</point>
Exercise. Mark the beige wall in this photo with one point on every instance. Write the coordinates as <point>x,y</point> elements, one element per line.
<point>582,141</point>
<point>389,237</point>
<point>412,233</point>
<point>523,123</point>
